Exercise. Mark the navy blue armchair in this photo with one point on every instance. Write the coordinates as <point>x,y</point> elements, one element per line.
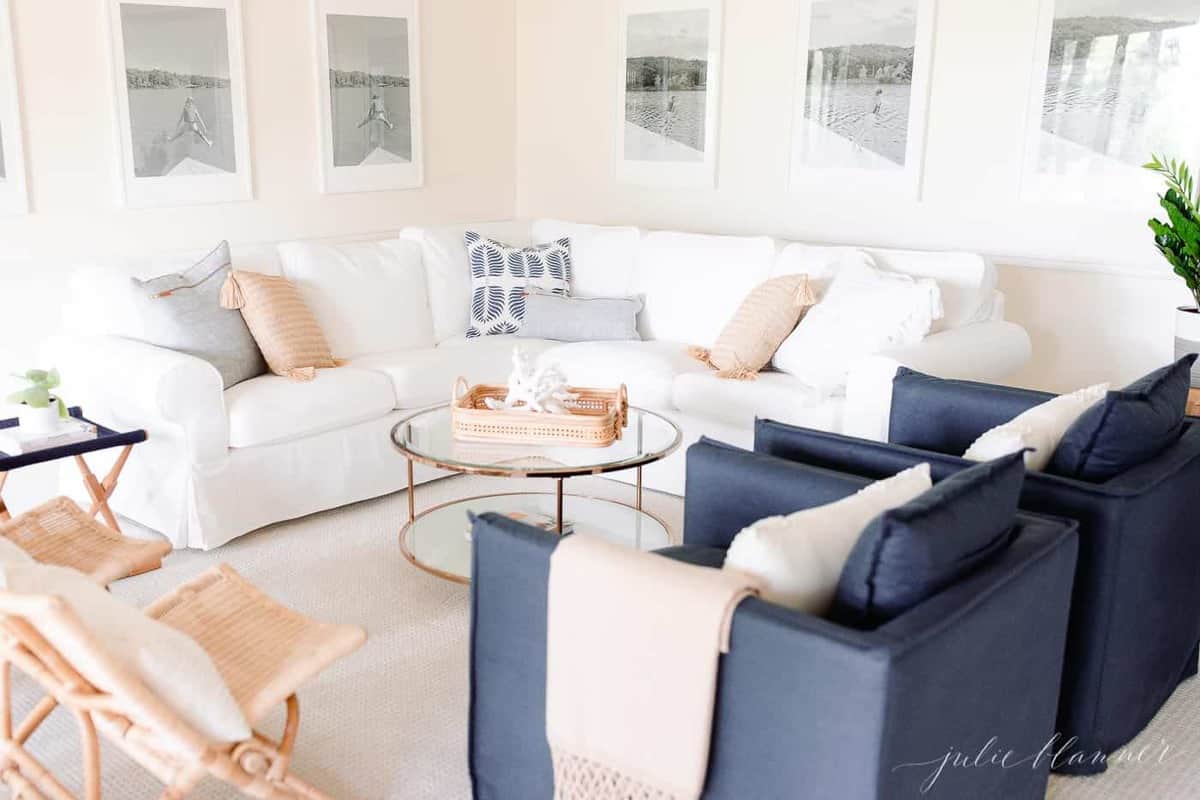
<point>927,705</point>
<point>1135,619</point>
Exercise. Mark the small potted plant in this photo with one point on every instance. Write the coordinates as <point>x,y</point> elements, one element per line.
<point>40,410</point>
<point>1178,239</point>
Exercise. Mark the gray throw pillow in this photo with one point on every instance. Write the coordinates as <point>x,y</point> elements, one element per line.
<point>580,319</point>
<point>182,312</point>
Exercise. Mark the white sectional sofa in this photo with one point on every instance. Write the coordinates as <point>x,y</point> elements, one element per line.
<point>219,464</point>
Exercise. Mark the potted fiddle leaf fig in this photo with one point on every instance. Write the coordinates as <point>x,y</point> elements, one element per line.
<point>40,410</point>
<point>1178,239</point>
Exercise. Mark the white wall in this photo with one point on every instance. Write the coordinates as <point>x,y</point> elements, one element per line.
<point>1085,281</point>
<point>65,86</point>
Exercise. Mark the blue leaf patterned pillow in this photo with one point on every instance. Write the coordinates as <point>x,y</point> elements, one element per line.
<point>501,276</point>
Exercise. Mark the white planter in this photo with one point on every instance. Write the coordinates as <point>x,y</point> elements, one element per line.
<point>1187,337</point>
<point>39,420</point>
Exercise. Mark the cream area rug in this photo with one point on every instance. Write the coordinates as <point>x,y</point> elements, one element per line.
<point>390,721</point>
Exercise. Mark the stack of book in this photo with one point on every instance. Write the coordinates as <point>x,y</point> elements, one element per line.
<point>15,442</point>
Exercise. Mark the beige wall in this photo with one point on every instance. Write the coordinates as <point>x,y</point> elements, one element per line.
<point>65,85</point>
<point>1087,325</point>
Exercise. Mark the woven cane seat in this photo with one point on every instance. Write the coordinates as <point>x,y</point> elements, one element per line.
<point>60,533</point>
<point>264,650</point>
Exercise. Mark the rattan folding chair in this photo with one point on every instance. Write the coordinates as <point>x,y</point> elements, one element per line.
<point>263,650</point>
<point>60,533</point>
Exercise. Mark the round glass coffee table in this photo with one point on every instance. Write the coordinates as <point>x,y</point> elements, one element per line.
<point>438,539</point>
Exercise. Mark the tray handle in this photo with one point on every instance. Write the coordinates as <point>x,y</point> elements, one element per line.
<point>623,399</point>
<point>461,387</point>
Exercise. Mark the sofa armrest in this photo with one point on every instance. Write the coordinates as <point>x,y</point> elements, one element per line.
<point>129,384</point>
<point>729,488</point>
<point>985,351</point>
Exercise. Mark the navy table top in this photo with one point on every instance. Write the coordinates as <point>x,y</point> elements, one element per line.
<point>105,438</point>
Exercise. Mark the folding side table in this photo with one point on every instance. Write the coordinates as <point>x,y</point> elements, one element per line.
<point>99,490</point>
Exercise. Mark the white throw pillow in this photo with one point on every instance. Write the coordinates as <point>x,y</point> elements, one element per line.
<point>693,284</point>
<point>1040,428</point>
<point>368,297</point>
<point>168,662</point>
<point>602,258</point>
<point>800,557</point>
<point>967,281</point>
<point>864,311</point>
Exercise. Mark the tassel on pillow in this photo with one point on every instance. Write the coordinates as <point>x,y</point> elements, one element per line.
<point>231,293</point>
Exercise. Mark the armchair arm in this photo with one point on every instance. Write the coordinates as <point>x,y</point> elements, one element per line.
<point>985,351</point>
<point>129,384</point>
<point>729,488</point>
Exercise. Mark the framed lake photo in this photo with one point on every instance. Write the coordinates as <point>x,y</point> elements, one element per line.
<point>863,93</point>
<point>181,101</point>
<point>668,94</point>
<point>1114,82</point>
<point>14,198</point>
<point>369,94</point>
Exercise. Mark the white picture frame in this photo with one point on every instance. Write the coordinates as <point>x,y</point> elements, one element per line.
<point>673,142</point>
<point>369,141</point>
<point>1149,104</point>
<point>187,139</point>
<point>837,149</point>
<point>14,192</point>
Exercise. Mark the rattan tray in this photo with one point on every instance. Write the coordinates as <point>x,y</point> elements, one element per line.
<point>597,418</point>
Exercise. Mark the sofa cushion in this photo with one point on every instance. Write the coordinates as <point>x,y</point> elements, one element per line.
<point>602,258</point>
<point>693,284</point>
<point>765,318</point>
<point>580,319</point>
<point>369,297</point>
<point>426,377</point>
<point>910,553</point>
<point>502,275</point>
<point>648,369</point>
<point>775,395</point>
<point>447,273</point>
<point>1037,431</point>
<point>1127,427</point>
<point>284,327</point>
<point>271,409</point>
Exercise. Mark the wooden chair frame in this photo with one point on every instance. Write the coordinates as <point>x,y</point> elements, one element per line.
<point>129,715</point>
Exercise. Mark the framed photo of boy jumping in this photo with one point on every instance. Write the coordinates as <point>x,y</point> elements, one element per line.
<point>179,81</point>
<point>368,94</point>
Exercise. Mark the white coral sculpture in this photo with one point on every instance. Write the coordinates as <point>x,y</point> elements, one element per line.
<point>541,390</point>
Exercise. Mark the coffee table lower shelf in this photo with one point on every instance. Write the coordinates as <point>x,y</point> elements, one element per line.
<point>437,540</point>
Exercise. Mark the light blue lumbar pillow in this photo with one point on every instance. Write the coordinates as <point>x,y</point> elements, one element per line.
<point>182,312</point>
<point>502,276</point>
<point>581,319</point>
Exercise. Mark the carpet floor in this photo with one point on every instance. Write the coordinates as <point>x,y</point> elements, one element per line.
<point>389,722</point>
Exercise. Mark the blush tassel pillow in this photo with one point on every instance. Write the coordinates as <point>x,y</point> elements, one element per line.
<point>282,324</point>
<point>766,317</point>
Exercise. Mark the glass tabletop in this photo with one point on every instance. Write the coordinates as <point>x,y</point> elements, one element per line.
<point>427,437</point>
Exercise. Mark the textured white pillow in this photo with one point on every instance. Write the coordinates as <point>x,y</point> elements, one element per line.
<point>368,297</point>
<point>167,661</point>
<point>800,557</point>
<point>865,310</point>
<point>1040,428</point>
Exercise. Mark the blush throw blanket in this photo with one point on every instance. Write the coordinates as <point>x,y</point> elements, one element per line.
<point>633,644</point>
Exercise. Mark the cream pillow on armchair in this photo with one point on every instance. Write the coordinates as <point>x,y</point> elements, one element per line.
<point>865,310</point>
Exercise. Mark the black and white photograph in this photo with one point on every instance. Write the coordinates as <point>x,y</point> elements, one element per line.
<point>368,76</point>
<point>668,91</point>
<point>369,87</point>
<point>13,197</point>
<point>863,85</point>
<point>181,101</point>
<point>666,85</point>
<point>1120,84</point>
<point>177,75</point>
